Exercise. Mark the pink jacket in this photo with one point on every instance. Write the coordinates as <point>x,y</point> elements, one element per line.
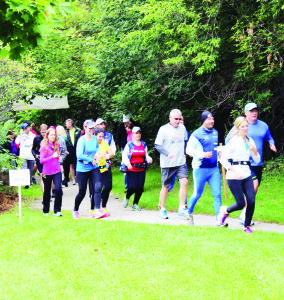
<point>51,165</point>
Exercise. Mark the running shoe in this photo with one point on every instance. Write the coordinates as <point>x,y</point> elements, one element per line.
<point>46,214</point>
<point>58,214</point>
<point>189,219</point>
<point>222,216</point>
<point>104,210</point>
<point>33,180</point>
<point>73,181</point>
<point>218,224</point>
<point>125,203</point>
<point>182,212</point>
<point>136,207</point>
<point>99,215</point>
<point>163,214</point>
<point>75,215</point>
<point>247,230</point>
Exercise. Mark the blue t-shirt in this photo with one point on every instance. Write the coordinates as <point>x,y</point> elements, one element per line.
<point>259,132</point>
<point>85,152</point>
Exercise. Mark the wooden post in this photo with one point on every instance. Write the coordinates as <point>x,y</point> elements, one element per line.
<point>224,181</point>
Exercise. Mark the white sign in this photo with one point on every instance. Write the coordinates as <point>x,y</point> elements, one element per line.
<point>19,177</point>
<point>39,102</point>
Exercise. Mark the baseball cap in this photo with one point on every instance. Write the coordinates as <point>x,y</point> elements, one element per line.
<point>89,124</point>
<point>100,121</point>
<point>206,114</point>
<point>250,106</point>
<point>136,129</point>
<point>25,124</point>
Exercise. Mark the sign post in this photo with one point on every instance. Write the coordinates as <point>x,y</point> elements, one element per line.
<point>19,178</point>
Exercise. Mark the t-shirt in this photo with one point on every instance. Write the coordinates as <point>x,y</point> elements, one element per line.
<point>72,136</point>
<point>137,157</point>
<point>104,146</point>
<point>173,140</point>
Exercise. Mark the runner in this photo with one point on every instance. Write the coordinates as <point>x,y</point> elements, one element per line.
<point>87,169</point>
<point>202,146</point>
<point>235,159</point>
<point>258,131</point>
<point>105,155</point>
<point>135,157</point>
<point>51,171</point>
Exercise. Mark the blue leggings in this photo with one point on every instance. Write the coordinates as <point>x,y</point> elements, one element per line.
<point>200,176</point>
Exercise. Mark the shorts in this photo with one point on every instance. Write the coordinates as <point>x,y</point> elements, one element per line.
<point>256,173</point>
<point>71,158</point>
<point>167,174</point>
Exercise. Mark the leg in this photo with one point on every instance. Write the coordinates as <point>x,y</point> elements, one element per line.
<point>95,178</point>
<point>82,183</point>
<point>131,184</point>
<point>57,180</point>
<point>236,187</point>
<point>72,171</point>
<point>106,186</point>
<point>214,182</point>
<point>248,188</point>
<point>66,168</point>
<point>183,191</point>
<point>172,183</point>
<point>47,179</point>
<point>140,186</point>
<point>199,180</point>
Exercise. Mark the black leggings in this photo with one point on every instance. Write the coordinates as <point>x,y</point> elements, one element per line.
<point>135,183</point>
<point>106,186</point>
<point>94,177</point>
<point>57,180</point>
<point>239,188</point>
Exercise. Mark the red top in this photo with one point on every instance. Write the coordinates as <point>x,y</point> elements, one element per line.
<point>138,157</point>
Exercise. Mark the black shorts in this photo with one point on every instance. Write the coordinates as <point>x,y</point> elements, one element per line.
<point>167,174</point>
<point>256,173</point>
<point>71,158</point>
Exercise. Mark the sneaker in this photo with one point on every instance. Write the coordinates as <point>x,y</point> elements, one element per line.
<point>222,216</point>
<point>125,203</point>
<point>64,182</point>
<point>218,224</point>
<point>58,214</point>
<point>136,207</point>
<point>27,186</point>
<point>75,215</point>
<point>46,214</point>
<point>99,215</point>
<point>163,214</point>
<point>33,180</point>
<point>73,181</point>
<point>242,221</point>
<point>189,219</point>
<point>104,210</point>
<point>182,212</point>
<point>247,230</point>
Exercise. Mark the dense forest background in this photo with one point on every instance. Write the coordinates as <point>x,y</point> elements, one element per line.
<point>145,58</point>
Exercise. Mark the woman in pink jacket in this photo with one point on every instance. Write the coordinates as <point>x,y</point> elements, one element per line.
<point>51,171</point>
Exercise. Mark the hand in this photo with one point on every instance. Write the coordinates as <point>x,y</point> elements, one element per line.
<point>97,156</point>
<point>107,156</point>
<point>55,155</point>
<point>171,155</point>
<point>94,162</point>
<point>149,160</point>
<point>129,166</point>
<point>60,158</point>
<point>67,152</point>
<point>252,148</point>
<point>208,154</point>
<point>272,147</point>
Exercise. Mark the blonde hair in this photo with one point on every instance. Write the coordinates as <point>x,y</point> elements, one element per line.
<point>43,126</point>
<point>61,131</point>
<point>238,122</point>
<point>45,141</point>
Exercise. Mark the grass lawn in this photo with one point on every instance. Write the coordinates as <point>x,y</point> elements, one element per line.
<point>269,199</point>
<point>62,258</point>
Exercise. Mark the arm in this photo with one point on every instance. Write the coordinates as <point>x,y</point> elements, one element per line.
<point>270,140</point>
<point>34,149</point>
<point>112,146</point>
<point>125,159</point>
<point>148,158</point>
<point>162,150</point>
<point>80,150</point>
<point>195,149</point>
<point>63,149</point>
<point>44,159</point>
<point>253,151</point>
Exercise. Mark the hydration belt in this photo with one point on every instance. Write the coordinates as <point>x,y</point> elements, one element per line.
<point>242,162</point>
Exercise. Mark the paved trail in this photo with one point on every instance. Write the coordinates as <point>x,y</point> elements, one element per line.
<point>117,212</point>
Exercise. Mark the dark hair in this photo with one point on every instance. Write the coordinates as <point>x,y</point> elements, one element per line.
<point>98,130</point>
<point>70,121</point>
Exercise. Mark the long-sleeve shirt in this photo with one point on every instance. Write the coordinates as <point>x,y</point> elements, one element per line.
<point>26,143</point>
<point>50,164</point>
<point>237,151</point>
<point>203,140</point>
<point>259,132</point>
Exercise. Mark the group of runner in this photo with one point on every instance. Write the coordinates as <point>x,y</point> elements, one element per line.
<point>88,155</point>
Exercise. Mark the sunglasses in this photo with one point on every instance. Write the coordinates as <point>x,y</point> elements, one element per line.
<point>178,119</point>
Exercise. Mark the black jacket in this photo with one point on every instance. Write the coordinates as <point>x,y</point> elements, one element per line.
<point>70,147</point>
<point>36,145</point>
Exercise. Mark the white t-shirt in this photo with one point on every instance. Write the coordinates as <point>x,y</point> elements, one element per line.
<point>26,145</point>
<point>172,139</point>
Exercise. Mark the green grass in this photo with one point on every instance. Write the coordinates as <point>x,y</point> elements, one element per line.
<point>269,199</point>
<point>62,258</point>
